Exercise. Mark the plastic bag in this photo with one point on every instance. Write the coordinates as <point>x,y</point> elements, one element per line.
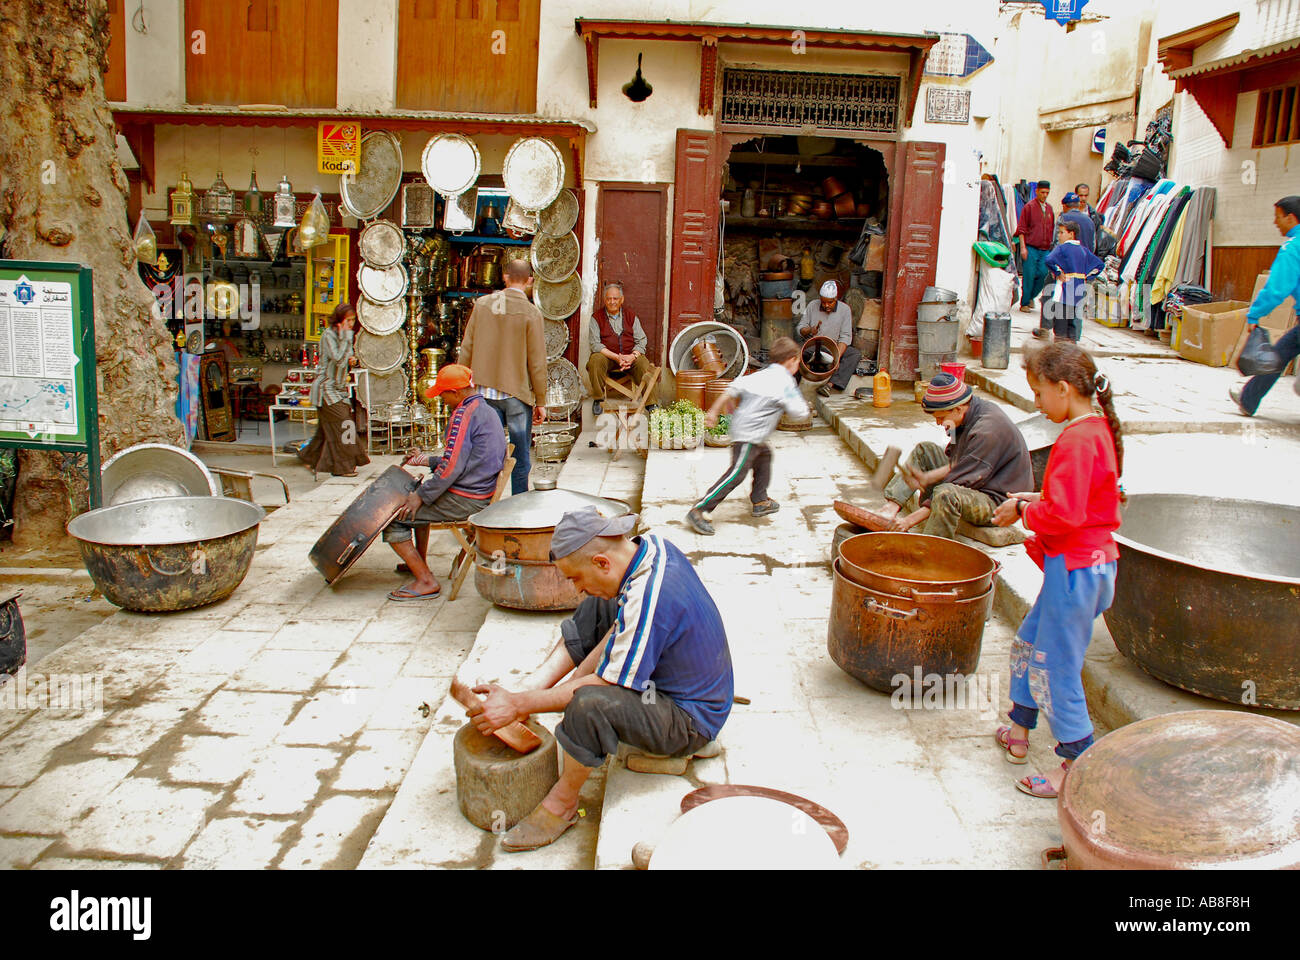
<point>145,242</point>
<point>1258,356</point>
<point>315,227</point>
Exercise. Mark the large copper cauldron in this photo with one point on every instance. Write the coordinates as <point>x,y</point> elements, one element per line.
<point>819,359</point>
<point>1202,789</point>
<point>513,544</point>
<point>357,527</point>
<point>916,566</point>
<point>1206,596</point>
<point>876,636</point>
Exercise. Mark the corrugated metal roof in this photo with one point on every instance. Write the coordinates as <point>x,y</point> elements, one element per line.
<point>1211,66</point>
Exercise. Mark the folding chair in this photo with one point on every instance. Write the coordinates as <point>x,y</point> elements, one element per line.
<point>463,531</point>
<point>630,406</point>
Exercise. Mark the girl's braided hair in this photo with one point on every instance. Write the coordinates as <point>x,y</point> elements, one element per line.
<point>1069,363</point>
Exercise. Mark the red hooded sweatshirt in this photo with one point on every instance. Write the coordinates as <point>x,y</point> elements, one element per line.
<point>1080,506</point>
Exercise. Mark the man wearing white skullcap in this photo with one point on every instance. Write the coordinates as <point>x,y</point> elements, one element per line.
<point>828,317</point>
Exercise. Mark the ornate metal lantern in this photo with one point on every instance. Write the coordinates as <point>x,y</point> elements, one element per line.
<point>219,201</point>
<point>182,202</point>
<point>285,205</point>
<point>253,199</point>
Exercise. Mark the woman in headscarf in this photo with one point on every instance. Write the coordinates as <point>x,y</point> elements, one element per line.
<point>335,447</point>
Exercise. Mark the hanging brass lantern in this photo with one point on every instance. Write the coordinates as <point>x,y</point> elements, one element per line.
<point>219,201</point>
<point>182,202</point>
<point>285,205</point>
<point>253,199</point>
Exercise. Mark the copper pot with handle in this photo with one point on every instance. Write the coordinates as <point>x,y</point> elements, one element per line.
<point>916,566</point>
<point>355,530</point>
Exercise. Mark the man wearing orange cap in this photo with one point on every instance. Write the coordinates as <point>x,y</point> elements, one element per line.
<point>462,481</point>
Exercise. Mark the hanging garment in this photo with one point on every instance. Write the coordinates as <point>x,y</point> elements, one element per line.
<point>1191,259</point>
<point>187,398</point>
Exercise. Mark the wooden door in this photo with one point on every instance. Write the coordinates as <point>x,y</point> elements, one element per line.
<point>915,208</point>
<point>631,226</point>
<point>697,198</point>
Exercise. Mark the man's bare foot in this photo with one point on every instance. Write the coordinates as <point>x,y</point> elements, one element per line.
<point>561,806</point>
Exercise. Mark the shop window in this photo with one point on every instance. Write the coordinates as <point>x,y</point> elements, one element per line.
<point>820,101</point>
<point>467,55</point>
<point>262,51</point>
<point>1277,118</point>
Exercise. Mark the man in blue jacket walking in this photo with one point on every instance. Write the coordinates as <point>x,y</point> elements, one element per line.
<point>1283,282</point>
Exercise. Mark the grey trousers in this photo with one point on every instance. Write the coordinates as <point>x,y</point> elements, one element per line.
<point>448,508</point>
<point>949,503</point>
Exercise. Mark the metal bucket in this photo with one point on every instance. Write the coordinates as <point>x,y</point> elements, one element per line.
<point>819,359</point>
<point>172,553</point>
<point>937,335</point>
<point>997,341</point>
<point>917,566</point>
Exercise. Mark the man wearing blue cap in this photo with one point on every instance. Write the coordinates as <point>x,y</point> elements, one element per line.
<point>649,662</point>
<point>1072,211</point>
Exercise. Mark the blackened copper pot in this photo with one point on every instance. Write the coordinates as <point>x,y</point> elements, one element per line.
<point>877,636</point>
<point>916,566</point>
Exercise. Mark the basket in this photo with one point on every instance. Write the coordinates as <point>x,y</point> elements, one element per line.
<point>711,441</point>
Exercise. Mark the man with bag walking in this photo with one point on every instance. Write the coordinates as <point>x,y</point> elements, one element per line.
<point>1283,282</point>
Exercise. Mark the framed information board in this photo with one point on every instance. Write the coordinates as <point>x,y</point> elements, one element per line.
<point>48,396</point>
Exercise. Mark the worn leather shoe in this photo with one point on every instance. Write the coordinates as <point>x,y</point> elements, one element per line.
<point>698,522</point>
<point>1234,394</point>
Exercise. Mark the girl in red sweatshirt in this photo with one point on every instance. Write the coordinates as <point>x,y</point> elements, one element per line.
<point>1072,521</point>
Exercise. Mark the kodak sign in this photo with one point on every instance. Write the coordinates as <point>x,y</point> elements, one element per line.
<point>338,147</point>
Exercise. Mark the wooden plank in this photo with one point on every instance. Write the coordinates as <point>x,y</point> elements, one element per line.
<point>917,255</point>
<point>696,207</point>
<point>115,76</point>
<point>631,223</point>
<point>1234,270</point>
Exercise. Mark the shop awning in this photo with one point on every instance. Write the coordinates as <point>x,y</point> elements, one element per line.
<point>136,124</point>
<point>1216,84</point>
<point>709,35</point>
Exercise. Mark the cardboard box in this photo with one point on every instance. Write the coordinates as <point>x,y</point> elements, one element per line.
<point>1210,331</point>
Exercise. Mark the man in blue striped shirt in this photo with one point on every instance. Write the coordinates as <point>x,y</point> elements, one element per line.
<point>651,669</point>
<point>1283,282</point>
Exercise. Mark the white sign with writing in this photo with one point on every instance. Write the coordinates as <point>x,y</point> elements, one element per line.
<point>38,391</point>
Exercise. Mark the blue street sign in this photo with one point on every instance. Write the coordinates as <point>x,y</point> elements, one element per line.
<point>1099,141</point>
<point>1064,11</point>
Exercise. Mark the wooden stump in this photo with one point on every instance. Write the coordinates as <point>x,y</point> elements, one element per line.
<point>497,787</point>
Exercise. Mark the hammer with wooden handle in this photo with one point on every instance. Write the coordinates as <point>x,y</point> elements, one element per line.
<point>515,734</point>
<point>884,471</point>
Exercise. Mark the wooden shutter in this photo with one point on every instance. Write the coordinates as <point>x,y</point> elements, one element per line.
<point>630,224</point>
<point>916,204</point>
<point>115,76</point>
<point>698,193</point>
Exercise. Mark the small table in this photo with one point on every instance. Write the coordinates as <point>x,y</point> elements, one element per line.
<point>304,420</point>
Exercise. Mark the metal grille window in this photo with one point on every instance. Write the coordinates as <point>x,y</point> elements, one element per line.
<point>798,100</point>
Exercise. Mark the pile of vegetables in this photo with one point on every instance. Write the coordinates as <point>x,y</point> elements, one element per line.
<point>722,428</point>
<point>678,427</point>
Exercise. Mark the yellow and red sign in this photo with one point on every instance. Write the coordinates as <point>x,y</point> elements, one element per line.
<point>338,147</point>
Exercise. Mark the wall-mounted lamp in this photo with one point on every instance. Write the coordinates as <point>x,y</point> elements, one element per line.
<point>638,90</point>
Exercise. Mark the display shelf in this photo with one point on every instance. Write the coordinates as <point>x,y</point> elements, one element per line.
<point>481,238</point>
<point>792,225</point>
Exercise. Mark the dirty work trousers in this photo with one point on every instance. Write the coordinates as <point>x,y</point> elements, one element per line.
<point>744,457</point>
<point>1047,652</point>
<point>600,367</point>
<point>949,503</point>
<point>597,719</point>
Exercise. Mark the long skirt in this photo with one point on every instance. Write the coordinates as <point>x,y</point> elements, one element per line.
<point>335,448</point>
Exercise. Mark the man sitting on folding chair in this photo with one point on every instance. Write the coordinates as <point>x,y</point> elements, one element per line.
<point>463,480</point>
<point>617,346</point>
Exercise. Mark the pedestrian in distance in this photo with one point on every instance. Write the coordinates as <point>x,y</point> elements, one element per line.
<point>1073,265</point>
<point>764,397</point>
<point>1283,282</point>
<point>1073,521</point>
<point>1035,231</point>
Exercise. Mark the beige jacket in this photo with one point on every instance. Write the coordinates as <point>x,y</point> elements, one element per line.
<point>505,346</point>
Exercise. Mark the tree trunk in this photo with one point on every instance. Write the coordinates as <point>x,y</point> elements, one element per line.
<point>63,197</point>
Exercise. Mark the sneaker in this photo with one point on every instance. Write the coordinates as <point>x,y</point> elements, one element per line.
<point>765,508</point>
<point>596,407</point>
<point>1234,395</point>
<point>698,522</point>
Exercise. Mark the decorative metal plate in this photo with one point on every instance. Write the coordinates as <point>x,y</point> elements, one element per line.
<point>533,172</point>
<point>451,163</point>
<point>381,354</point>
<point>558,301</point>
<point>518,222</point>
<point>381,319</point>
<point>560,217</point>
<point>382,284</point>
<point>555,258</point>
<point>367,194</point>
<point>381,244</point>
<point>387,389</point>
<point>563,386</point>
<point>557,337</point>
<point>417,205</point>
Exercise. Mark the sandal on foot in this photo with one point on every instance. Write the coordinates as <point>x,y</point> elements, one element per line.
<point>405,593</point>
<point>1039,786</point>
<point>1006,741</point>
<point>539,829</point>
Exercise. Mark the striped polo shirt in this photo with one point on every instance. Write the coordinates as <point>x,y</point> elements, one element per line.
<point>669,636</point>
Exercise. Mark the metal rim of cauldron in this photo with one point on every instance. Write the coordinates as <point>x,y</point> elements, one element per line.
<point>1139,547</point>
<point>145,460</point>
<point>81,526</point>
<point>818,343</point>
<point>965,589</point>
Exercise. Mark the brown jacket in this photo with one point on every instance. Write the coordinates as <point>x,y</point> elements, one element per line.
<point>505,346</point>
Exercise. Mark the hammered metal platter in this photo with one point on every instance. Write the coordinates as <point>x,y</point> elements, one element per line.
<point>533,172</point>
<point>518,222</point>
<point>417,205</point>
<point>387,389</point>
<point>554,258</point>
<point>451,163</point>
<point>367,194</point>
<point>382,284</point>
<point>560,217</point>
<point>381,244</point>
<point>558,301</point>
<point>381,354</point>
<point>557,337</point>
<point>563,386</point>
<point>380,319</point>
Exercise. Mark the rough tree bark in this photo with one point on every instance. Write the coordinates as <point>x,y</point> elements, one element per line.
<point>63,197</point>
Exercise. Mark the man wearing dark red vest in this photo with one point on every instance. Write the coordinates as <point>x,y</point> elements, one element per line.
<point>617,345</point>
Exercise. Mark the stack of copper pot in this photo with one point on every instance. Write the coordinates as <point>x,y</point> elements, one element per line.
<point>703,385</point>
